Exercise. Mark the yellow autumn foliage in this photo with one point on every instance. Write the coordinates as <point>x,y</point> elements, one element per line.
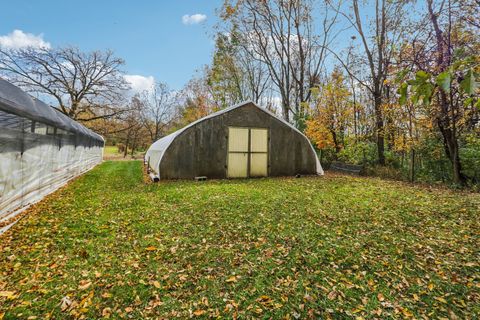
<point>331,114</point>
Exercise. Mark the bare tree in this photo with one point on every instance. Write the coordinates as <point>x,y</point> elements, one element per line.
<point>234,76</point>
<point>256,78</point>
<point>441,59</point>
<point>468,11</point>
<point>132,127</point>
<point>281,35</point>
<point>448,110</point>
<point>379,45</point>
<point>157,111</point>
<point>86,86</point>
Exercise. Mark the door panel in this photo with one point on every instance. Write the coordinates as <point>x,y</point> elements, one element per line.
<point>238,139</point>
<point>247,152</point>
<point>258,140</point>
<point>258,164</point>
<point>237,165</point>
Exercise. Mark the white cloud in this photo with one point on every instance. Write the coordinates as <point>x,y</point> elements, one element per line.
<point>193,19</point>
<point>139,83</point>
<point>19,39</point>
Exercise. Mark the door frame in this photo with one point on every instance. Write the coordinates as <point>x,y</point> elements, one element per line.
<point>249,152</point>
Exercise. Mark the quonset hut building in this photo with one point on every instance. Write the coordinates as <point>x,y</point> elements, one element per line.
<point>238,142</point>
<point>40,150</point>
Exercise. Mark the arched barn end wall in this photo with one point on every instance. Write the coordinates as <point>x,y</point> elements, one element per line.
<point>201,149</point>
<point>40,150</point>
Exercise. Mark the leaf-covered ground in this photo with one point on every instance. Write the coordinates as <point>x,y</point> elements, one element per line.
<point>109,245</point>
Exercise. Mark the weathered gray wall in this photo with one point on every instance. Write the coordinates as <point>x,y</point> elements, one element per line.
<point>202,149</point>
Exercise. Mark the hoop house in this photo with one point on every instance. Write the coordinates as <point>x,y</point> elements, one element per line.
<point>238,142</point>
<point>40,150</point>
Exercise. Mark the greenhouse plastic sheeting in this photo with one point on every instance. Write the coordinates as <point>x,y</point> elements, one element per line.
<point>40,150</point>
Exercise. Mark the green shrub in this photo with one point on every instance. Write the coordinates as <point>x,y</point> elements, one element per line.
<point>470,156</point>
<point>360,152</point>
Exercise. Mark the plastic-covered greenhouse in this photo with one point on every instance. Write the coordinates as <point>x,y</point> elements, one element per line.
<point>40,150</point>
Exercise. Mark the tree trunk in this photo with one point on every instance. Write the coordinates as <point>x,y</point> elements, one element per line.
<point>390,134</point>
<point>355,130</point>
<point>412,165</point>
<point>379,129</point>
<point>452,152</point>
<point>336,143</point>
<point>125,152</point>
<point>446,124</point>
<point>134,146</point>
<point>285,114</point>
<point>446,113</point>
<point>458,176</point>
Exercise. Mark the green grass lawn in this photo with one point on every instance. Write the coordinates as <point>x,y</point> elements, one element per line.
<point>333,247</point>
<point>110,150</point>
<point>112,153</point>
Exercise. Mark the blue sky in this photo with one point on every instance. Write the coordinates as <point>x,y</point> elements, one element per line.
<point>149,35</point>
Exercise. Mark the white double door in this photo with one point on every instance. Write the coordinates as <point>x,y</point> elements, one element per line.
<point>247,152</point>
